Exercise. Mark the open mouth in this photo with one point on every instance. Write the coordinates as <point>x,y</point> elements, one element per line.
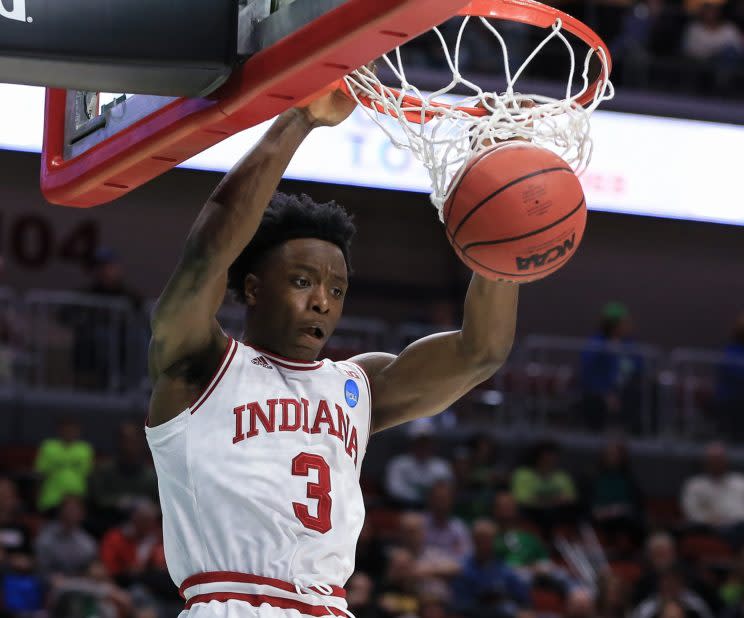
<point>314,331</point>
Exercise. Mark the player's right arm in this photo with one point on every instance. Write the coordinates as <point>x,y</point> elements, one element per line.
<point>187,342</point>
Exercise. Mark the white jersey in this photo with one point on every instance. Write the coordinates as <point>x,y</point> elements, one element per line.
<point>259,482</point>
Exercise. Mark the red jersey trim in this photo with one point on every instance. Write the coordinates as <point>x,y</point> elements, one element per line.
<point>256,600</point>
<point>246,578</point>
<point>227,357</point>
<point>289,363</point>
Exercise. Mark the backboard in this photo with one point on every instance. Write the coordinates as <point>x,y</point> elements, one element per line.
<point>93,154</point>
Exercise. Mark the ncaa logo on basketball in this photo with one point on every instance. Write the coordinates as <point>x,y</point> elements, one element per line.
<point>551,255</point>
<point>17,13</point>
<point>351,392</point>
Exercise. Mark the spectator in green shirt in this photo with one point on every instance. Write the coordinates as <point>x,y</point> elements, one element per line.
<point>64,464</point>
<point>117,485</point>
<point>544,492</point>
<point>521,548</point>
<point>515,544</point>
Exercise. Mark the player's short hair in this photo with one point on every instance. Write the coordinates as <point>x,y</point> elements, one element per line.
<point>286,218</point>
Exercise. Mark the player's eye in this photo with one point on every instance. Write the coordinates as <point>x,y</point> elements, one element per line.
<point>301,282</point>
<point>337,292</point>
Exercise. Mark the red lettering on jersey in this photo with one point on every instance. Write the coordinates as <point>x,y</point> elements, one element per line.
<point>343,425</point>
<point>305,415</point>
<point>295,425</point>
<point>295,416</point>
<point>269,423</point>
<point>353,446</point>
<point>323,415</point>
<point>239,435</point>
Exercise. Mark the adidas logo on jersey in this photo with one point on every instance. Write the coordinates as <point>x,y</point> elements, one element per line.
<point>261,362</point>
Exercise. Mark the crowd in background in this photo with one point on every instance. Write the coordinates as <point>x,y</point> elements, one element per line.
<point>693,46</point>
<point>467,534</point>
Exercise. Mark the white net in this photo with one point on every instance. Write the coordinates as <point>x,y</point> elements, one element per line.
<point>443,129</point>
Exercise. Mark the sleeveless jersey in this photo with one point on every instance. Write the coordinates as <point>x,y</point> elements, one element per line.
<point>260,475</point>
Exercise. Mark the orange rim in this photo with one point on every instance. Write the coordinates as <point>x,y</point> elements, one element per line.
<point>524,11</point>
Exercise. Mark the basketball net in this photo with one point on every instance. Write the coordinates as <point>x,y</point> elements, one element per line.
<point>446,130</point>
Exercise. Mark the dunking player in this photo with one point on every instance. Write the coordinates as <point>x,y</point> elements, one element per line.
<point>258,445</point>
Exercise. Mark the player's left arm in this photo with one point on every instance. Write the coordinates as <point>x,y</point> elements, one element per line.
<point>434,372</point>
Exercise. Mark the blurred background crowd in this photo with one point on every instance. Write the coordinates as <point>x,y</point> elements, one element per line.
<point>455,528</point>
<point>587,479</point>
<point>689,47</point>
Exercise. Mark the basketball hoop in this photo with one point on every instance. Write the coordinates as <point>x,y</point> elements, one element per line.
<point>446,130</point>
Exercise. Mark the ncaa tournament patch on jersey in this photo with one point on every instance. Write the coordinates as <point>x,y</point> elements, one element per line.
<point>351,392</point>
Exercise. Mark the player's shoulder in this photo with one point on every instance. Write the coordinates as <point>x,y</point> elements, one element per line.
<point>373,363</point>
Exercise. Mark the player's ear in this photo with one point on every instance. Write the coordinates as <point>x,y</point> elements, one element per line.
<point>250,289</point>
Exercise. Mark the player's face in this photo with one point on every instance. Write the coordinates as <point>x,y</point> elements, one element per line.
<point>298,297</point>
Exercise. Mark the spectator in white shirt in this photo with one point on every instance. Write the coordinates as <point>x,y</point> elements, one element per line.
<point>711,38</point>
<point>429,560</point>
<point>410,476</point>
<point>715,498</point>
<point>444,531</point>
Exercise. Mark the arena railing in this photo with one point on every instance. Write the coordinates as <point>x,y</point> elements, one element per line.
<point>83,346</point>
<point>12,344</point>
<point>573,384</point>
<point>703,394</point>
<point>66,347</point>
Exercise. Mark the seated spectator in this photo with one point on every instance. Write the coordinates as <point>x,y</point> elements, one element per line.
<point>444,531</point>
<point>484,464</point>
<point>21,589</point>
<point>409,477</point>
<point>515,544</point>
<point>64,464</point>
<point>370,554</point>
<point>63,546</point>
<point>91,594</point>
<point>613,599</point>
<point>580,604</point>
<point>544,492</point>
<point>360,596</point>
<point>15,537</point>
<point>662,558</point>
<point>711,38</point>
<point>478,471</point>
<point>116,485</point>
<point>434,598</point>
<point>634,39</point>
<point>715,497</point>
<point>672,609</point>
<point>486,585</point>
<point>616,500</point>
<point>429,560</point>
<point>729,394</point>
<point>735,611</point>
<point>398,591</point>
<point>129,551</point>
<point>673,590</point>
<point>732,590</point>
<point>611,371</point>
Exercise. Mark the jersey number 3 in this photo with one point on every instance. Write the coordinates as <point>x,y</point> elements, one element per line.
<point>320,491</point>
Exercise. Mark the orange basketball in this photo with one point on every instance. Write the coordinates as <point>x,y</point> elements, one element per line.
<point>518,213</point>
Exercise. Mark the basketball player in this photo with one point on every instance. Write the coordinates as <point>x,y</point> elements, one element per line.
<point>257,445</point>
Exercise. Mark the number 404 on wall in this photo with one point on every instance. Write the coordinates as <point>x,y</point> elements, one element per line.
<point>31,241</point>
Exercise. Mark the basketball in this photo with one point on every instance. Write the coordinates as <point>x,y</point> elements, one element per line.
<point>518,213</point>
